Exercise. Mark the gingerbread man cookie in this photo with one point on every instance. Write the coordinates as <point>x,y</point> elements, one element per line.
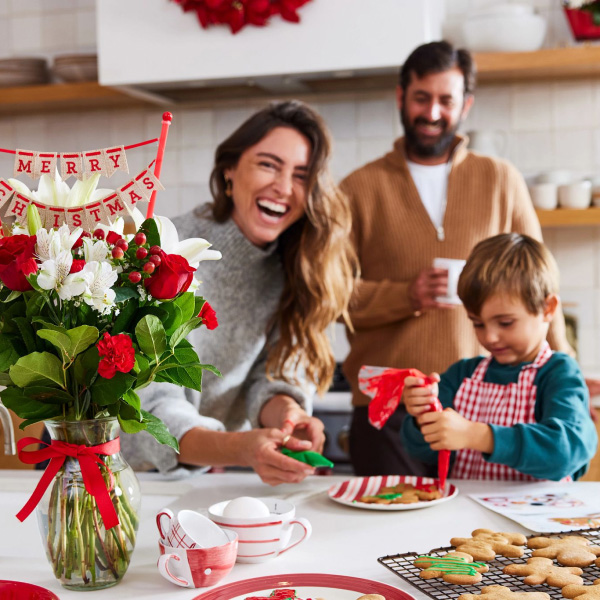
<point>402,493</point>
<point>583,592</point>
<point>501,592</point>
<point>485,544</point>
<point>572,550</point>
<point>454,567</point>
<point>542,570</point>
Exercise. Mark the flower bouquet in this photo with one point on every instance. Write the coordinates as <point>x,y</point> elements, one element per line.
<point>88,318</point>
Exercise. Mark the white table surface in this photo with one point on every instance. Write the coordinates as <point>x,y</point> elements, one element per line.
<point>345,540</point>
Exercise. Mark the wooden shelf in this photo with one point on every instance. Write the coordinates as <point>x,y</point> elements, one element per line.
<point>549,63</point>
<point>565,216</point>
<point>62,97</point>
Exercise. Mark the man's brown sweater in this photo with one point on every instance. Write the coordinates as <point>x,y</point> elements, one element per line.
<point>396,239</point>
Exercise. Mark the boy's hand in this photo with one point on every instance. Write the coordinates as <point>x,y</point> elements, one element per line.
<point>417,396</point>
<point>447,430</point>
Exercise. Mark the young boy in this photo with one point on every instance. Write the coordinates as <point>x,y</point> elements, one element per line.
<point>521,413</point>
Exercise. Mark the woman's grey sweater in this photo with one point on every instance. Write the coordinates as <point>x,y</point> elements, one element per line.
<point>244,288</point>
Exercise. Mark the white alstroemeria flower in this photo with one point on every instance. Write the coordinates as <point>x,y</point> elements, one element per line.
<point>54,275</point>
<point>100,278</point>
<point>51,243</point>
<point>95,250</point>
<point>56,192</point>
<point>193,250</point>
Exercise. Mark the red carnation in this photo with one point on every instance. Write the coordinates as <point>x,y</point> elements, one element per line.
<point>172,277</point>
<point>209,316</point>
<point>117,355</point>
<point>17,261</point>
<point>77,265</point>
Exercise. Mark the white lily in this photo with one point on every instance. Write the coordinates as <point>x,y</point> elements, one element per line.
<point>94,250</point>
<point>100,278</point>
<point>56,192</point>
<point>50,243</point>
<point>194,250</point>
<point>54,275</point>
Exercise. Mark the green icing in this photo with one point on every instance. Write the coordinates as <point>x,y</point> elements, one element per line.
<point>455,565</point>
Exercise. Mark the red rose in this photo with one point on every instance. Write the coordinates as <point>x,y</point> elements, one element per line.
<point>17,261</point>
<point>173,276</point>
<point>117,355</point>
<point>209,316</point>
<point>112,238</point>
<point>77,265</point>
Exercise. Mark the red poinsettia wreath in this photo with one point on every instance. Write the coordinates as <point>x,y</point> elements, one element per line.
<point>239,13</point>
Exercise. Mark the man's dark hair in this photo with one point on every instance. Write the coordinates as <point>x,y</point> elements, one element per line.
<point>437,57</point>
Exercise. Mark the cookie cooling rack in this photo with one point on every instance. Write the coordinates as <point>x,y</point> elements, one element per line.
<point>402,565</point>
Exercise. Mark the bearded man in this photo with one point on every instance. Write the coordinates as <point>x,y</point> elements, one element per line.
<point>429,197</point>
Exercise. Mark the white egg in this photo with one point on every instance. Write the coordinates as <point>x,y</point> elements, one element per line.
<point>245,507</point>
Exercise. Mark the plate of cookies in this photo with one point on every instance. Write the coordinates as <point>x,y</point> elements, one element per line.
<point>391,492</point>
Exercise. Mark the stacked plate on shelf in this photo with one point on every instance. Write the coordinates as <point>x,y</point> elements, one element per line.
<point>23,71</point>
<point>76,67</point>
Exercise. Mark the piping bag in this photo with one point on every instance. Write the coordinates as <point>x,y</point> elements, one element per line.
<point>384,386</point>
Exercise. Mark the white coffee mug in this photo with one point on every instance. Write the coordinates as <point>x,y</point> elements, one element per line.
<point>188,529</point>
<point>454,266</point>
<point>263,538</point>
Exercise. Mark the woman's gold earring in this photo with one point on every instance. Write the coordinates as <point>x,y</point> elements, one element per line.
<point>228,187</point>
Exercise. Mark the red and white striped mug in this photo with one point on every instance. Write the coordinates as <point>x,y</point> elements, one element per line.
<point>188,529</point>
<point>263,538</point>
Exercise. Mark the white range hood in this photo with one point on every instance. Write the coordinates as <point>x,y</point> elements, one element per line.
<point>153,44</point>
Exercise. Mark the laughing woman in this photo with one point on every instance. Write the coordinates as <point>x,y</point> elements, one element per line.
<point>286,274</point>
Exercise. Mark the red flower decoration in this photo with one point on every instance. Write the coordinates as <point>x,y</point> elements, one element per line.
<point>112,238</point>
<point>78,264</point>
<point>172,277</point>
<point>239,13</point>
<point>17,261</point>
<point>209,316</point>
<point>117,355</point>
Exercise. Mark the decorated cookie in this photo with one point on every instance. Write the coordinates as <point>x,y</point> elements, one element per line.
<point>454,567</point>
<point>572,550</point>
<point>501,592</point>
<point>403,493</point>
<point>485,544</point>
<point>542,570</point>
<point>582,592</point>
<point>371,597</point>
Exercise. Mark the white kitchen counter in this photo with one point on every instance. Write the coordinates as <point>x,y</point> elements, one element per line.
<point>345,540</point>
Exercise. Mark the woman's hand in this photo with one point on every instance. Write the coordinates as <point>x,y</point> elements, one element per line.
<point>417,396</point>
<point>261,450</point>
<point>448,430</point>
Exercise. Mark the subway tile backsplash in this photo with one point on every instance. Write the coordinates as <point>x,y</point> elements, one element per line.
<point>547,125</point>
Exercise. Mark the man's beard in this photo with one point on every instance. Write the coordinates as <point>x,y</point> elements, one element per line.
<point>417,147</point>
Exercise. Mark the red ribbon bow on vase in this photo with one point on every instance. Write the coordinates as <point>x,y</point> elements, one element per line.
<point>385,387</point>
<point>239,13</point>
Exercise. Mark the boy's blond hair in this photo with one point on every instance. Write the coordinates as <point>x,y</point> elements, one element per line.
<point>512,264</point>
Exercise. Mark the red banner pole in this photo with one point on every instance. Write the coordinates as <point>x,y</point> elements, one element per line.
<point>162,142</point>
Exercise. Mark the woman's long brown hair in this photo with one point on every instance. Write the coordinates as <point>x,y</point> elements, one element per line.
<point>319,261</point>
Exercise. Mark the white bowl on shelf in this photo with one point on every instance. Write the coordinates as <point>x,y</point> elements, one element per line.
<point>576,195</point>
<point>504,33</point>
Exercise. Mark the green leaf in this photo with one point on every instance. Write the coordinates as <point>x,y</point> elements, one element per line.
<point>121,323</point>
<point>108,391</point>
<point>180,310</point>
<point>8,354</point>
<point>35,305</point>
<point>58,340</point>
<point>131,425</point>
<point>151,336</point>
<point>40,368</point>
<point>184,330</point>
<point>27,333</point>
<point>198,304</point>
<point>85,366</point>
<point>150,228</point>
<point>190,377</point>
<point>157,429</point>
<point>82,338</point>
<point>131,398</point>
<point>141,363</point>
<point>47,394</point>
<point>28,408</point>
<point>124,293</point>
<point>184,355</point>
<point>12,296</point>
<point>5,379</point>
<point>212,369</point>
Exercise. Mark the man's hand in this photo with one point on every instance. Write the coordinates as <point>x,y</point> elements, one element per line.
<point>428,285</point>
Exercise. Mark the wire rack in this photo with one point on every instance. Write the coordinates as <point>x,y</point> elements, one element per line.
<point>402,565</point>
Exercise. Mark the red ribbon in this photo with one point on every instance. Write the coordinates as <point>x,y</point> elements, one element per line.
<point>57,452</point>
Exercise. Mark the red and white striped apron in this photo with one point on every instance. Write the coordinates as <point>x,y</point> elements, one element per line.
<point>496,404</point>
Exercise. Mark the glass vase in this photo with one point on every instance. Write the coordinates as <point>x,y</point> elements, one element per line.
<point>83,554</point>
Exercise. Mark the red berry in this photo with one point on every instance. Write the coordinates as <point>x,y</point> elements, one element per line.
<point>99,234</point>
<point>122,243</point>
<point>135,277</point>
<point>141,253</point>
<point>155,250</point>
<point>117,253</point>
<point>140,238</point>
<point>155,259</point>
<point>149,267</point>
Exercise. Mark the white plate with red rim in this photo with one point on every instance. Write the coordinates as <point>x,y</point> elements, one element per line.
<point>306,586</point>
<point>350,491</point>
